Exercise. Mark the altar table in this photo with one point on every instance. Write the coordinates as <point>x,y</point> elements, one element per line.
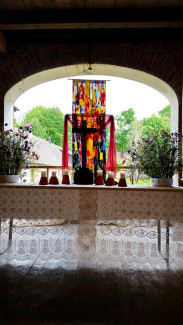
<point>99,204</point>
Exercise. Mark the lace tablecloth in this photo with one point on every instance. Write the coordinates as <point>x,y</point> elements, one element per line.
<point>100,204</point>
<point>132,245</point>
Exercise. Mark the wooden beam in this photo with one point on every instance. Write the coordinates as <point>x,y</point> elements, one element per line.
<point>2,43</point>
<point>104,25</point>
<point>94,35</point>
<point>91,19</point>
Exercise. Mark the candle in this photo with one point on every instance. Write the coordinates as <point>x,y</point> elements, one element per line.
<point>122,174</point>
<point>99,172</point>
<point>110,174</point>
<point>43,174</point>
<point>65,171</point>
<point>53,174</point>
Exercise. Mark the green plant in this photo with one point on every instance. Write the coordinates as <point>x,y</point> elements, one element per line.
<point>15,151</point>
<point>159,156</point>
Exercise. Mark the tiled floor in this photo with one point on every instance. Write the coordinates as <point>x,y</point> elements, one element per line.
<point>88,274</point>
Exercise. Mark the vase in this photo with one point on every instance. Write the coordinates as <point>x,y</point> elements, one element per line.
<point>43,180</point>
<point>162,182</point>
<point>122,182</point>
<point>99,180</point>
<point>65,179</point>
<point>53,180</point>
<point>9,178</point>
<point>110,182</point>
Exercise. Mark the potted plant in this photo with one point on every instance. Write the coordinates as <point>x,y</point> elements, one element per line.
<point>15,153</point>
<point>159,156</point>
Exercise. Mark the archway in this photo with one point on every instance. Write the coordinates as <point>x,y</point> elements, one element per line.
<point>82,69</point>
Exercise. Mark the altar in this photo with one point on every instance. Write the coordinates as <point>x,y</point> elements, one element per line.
<point>91,203</point>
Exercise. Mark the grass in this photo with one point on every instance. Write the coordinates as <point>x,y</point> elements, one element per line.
<point>141,181</point>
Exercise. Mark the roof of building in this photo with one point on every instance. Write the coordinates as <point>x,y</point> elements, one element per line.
<point>27,125</point>
<point>49,153</point>
<point>123,160</point>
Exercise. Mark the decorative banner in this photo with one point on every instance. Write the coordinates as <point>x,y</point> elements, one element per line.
<point>89,97</point>
<point>89,104</point>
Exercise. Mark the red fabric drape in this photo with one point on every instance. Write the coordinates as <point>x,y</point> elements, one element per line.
<point>111,159</point>
<point>65,149</point>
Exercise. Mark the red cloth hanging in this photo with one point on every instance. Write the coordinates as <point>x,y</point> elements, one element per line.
<point>111,159</point>
<point>65,149</point>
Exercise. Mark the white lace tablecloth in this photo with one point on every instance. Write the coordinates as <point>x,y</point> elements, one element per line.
<point>101,204</point>
<point>137,246</point>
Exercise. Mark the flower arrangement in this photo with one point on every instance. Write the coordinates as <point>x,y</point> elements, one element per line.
<point>159,156</point>
<point>15,151</point>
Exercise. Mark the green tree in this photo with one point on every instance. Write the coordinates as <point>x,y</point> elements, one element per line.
<point>123,121</point>
<point>135,132</point>
<point>156,123</point>
<point>165,112</point>
<point>47,122</point>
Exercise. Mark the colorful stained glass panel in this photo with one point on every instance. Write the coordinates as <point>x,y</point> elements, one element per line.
<point>89,103</point>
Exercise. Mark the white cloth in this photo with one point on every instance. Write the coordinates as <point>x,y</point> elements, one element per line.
<point>99,204</point>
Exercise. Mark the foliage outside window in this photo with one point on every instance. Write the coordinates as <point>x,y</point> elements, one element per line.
<point>47,123</point>
<point>16,151</point>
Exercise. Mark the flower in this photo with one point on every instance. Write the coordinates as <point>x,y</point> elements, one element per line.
<point>15,151</point>
<point>160,156</point>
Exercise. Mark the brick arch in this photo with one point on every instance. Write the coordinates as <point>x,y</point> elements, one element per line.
<point>98,69</point>
<point>160,60</point>
<point>156,59</point>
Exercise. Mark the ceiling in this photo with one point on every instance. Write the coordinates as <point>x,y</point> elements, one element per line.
<point>86,4</point>
<point>98,20</point>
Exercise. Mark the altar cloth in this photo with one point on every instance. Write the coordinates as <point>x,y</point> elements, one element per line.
<point>99,204</point>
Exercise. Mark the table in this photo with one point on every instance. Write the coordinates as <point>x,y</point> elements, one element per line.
<point>101,204</point>
<point>95,205</point>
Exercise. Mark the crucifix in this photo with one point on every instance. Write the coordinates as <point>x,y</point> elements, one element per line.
<point>83,175</point>
<point>84,131</point>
